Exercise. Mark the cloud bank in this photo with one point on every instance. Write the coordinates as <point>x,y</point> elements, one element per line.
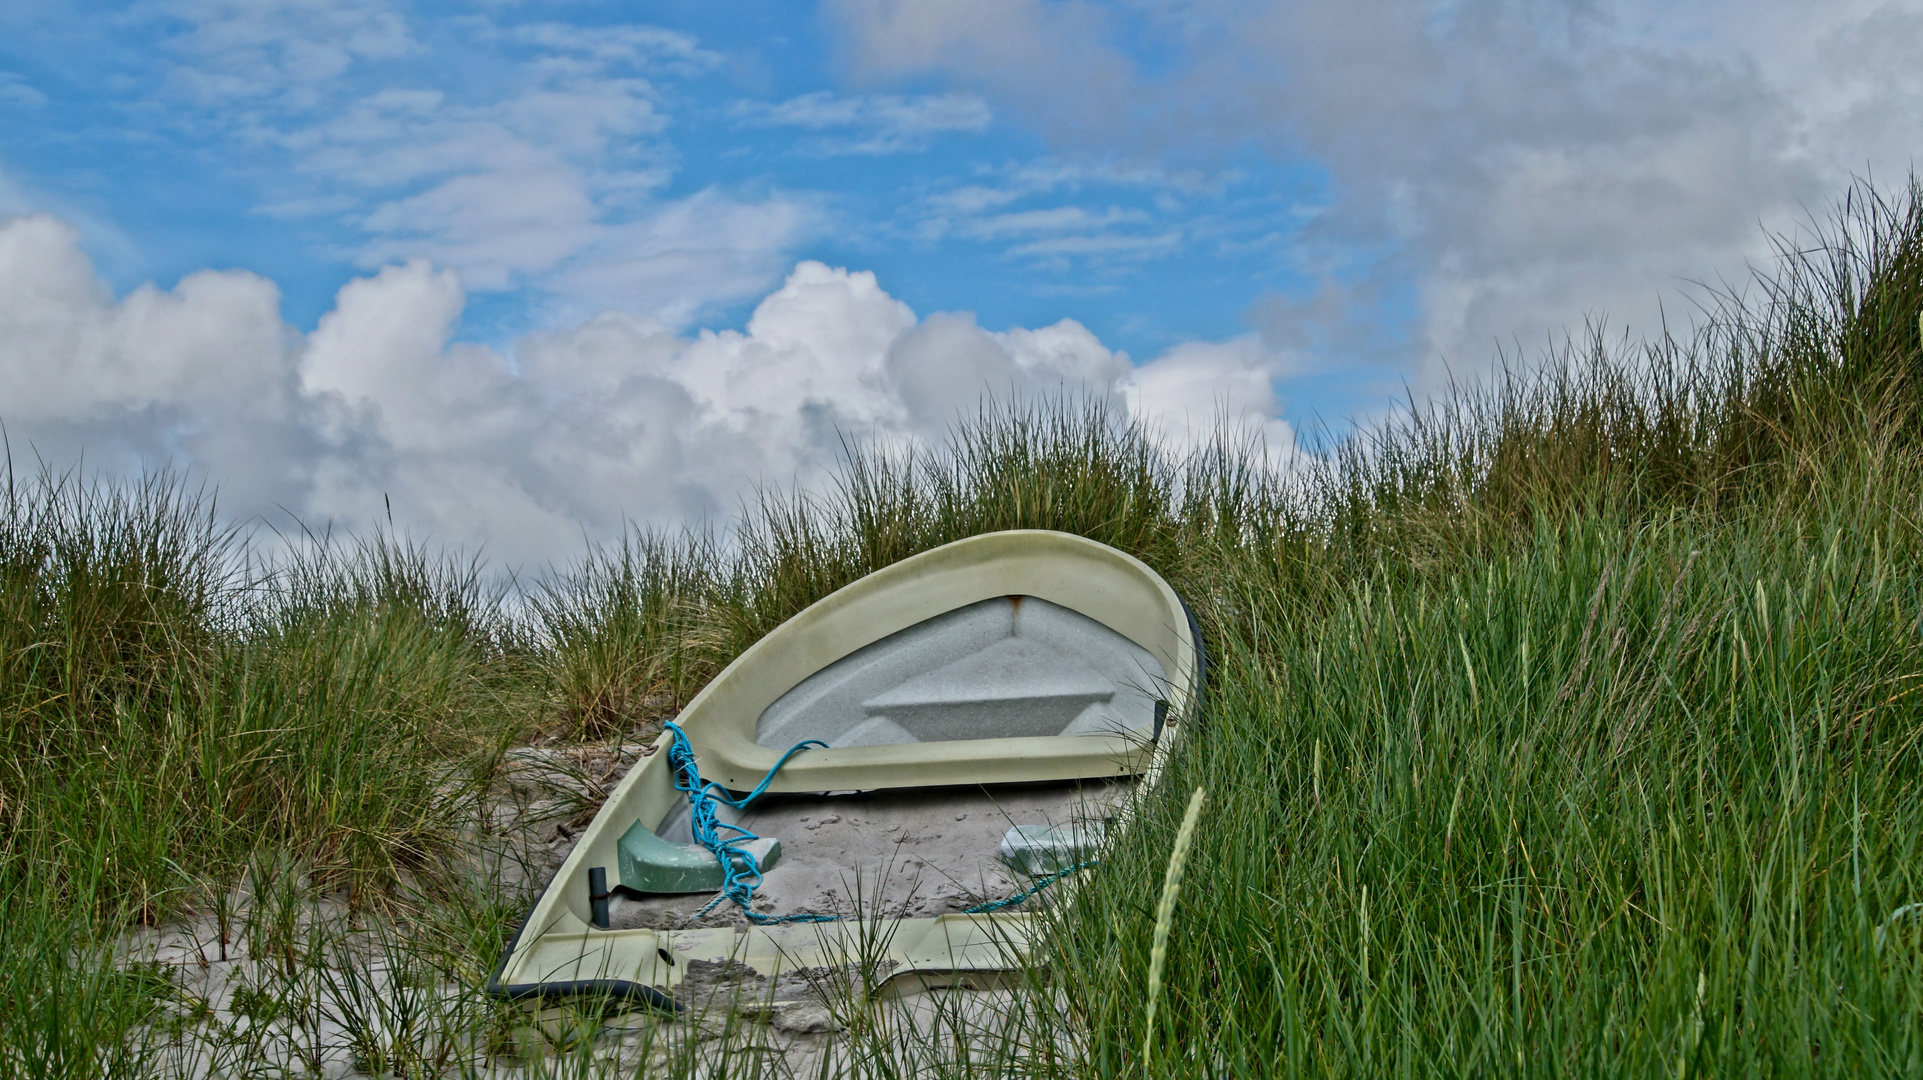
<point>1498,172</point>
<point>570,432</point>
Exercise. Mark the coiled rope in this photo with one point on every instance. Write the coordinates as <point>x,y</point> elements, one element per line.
<point>740,870</point>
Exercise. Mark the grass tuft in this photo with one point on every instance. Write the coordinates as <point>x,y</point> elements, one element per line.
<point>1165,919</point>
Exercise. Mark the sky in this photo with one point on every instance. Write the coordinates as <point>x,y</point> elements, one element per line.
<point>516,275</point>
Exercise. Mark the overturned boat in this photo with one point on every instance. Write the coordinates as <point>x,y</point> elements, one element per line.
<point>923,752</point>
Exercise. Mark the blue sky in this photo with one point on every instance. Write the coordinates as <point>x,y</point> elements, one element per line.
<point>543,214</point>
<point>953,206</point>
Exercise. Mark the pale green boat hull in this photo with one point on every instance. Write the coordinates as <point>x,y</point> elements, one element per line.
<point>912,664</point>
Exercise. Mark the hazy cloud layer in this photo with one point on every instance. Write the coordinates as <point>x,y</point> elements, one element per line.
<point>526,157</point>
<point>1525,166</point>
<point>617,417</point>
<point>873,124</point>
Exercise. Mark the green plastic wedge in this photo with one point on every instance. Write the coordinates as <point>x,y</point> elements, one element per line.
<point>650,864</point>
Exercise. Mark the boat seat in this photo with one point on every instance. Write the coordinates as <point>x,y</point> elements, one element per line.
<point>1038,850</point>
<point>1006,667</point>
<point>650,864</point>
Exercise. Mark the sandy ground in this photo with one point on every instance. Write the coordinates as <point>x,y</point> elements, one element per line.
<point>360,986</point>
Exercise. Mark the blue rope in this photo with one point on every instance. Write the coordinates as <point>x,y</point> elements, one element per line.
<point>1040,884</point>
<point>741,872</point>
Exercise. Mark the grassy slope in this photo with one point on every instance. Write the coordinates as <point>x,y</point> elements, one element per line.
<point>1565,727</point>
<point>1575,732</point>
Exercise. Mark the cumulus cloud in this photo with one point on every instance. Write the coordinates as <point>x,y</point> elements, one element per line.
<point>202,371</point>
<point>948,362</point>
<point>1198,389</point>
<point>1518,167</point>
<point>570,432</point>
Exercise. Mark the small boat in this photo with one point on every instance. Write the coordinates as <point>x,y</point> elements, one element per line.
<point>926,750</point>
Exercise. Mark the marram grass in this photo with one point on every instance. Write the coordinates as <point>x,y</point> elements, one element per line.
<point>1568,726</point>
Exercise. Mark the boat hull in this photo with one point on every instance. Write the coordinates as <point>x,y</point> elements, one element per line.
<point>1110,731</point>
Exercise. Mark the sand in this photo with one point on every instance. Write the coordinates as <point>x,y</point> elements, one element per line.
<point>909,853</point>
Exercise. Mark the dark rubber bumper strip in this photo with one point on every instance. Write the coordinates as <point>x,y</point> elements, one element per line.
<point>1201,665</point>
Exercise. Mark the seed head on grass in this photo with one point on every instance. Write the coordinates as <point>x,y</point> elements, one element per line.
<point>1165,915</point>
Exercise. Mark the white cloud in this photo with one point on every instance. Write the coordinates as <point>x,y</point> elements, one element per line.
<point>1117,244</point>
<point>973,199</point>
<point>948,363</point>
<point>1055,219</point>
<point>1026,51</point>
<point>199,372</point>
<point>618,417</point>
<point>17,91</point>
<point>1079,223</point>
<point>506,190</point>
<point>879,123</point>
<point>280,49</point>
<point>527,157</point>
<point>1196,390</point>
<point>686,254</point>
<point>73,354</point>
<point>634,46</point>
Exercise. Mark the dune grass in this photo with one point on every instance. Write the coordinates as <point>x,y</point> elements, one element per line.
<point>1565,725</point>
<point>173,713</point>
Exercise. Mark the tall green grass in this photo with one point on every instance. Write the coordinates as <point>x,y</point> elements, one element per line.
<point>1563,724</point>
<point>1570,727</point>
<point>171,710</point>
<point>170,705</point>
<point>1628,798</point>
